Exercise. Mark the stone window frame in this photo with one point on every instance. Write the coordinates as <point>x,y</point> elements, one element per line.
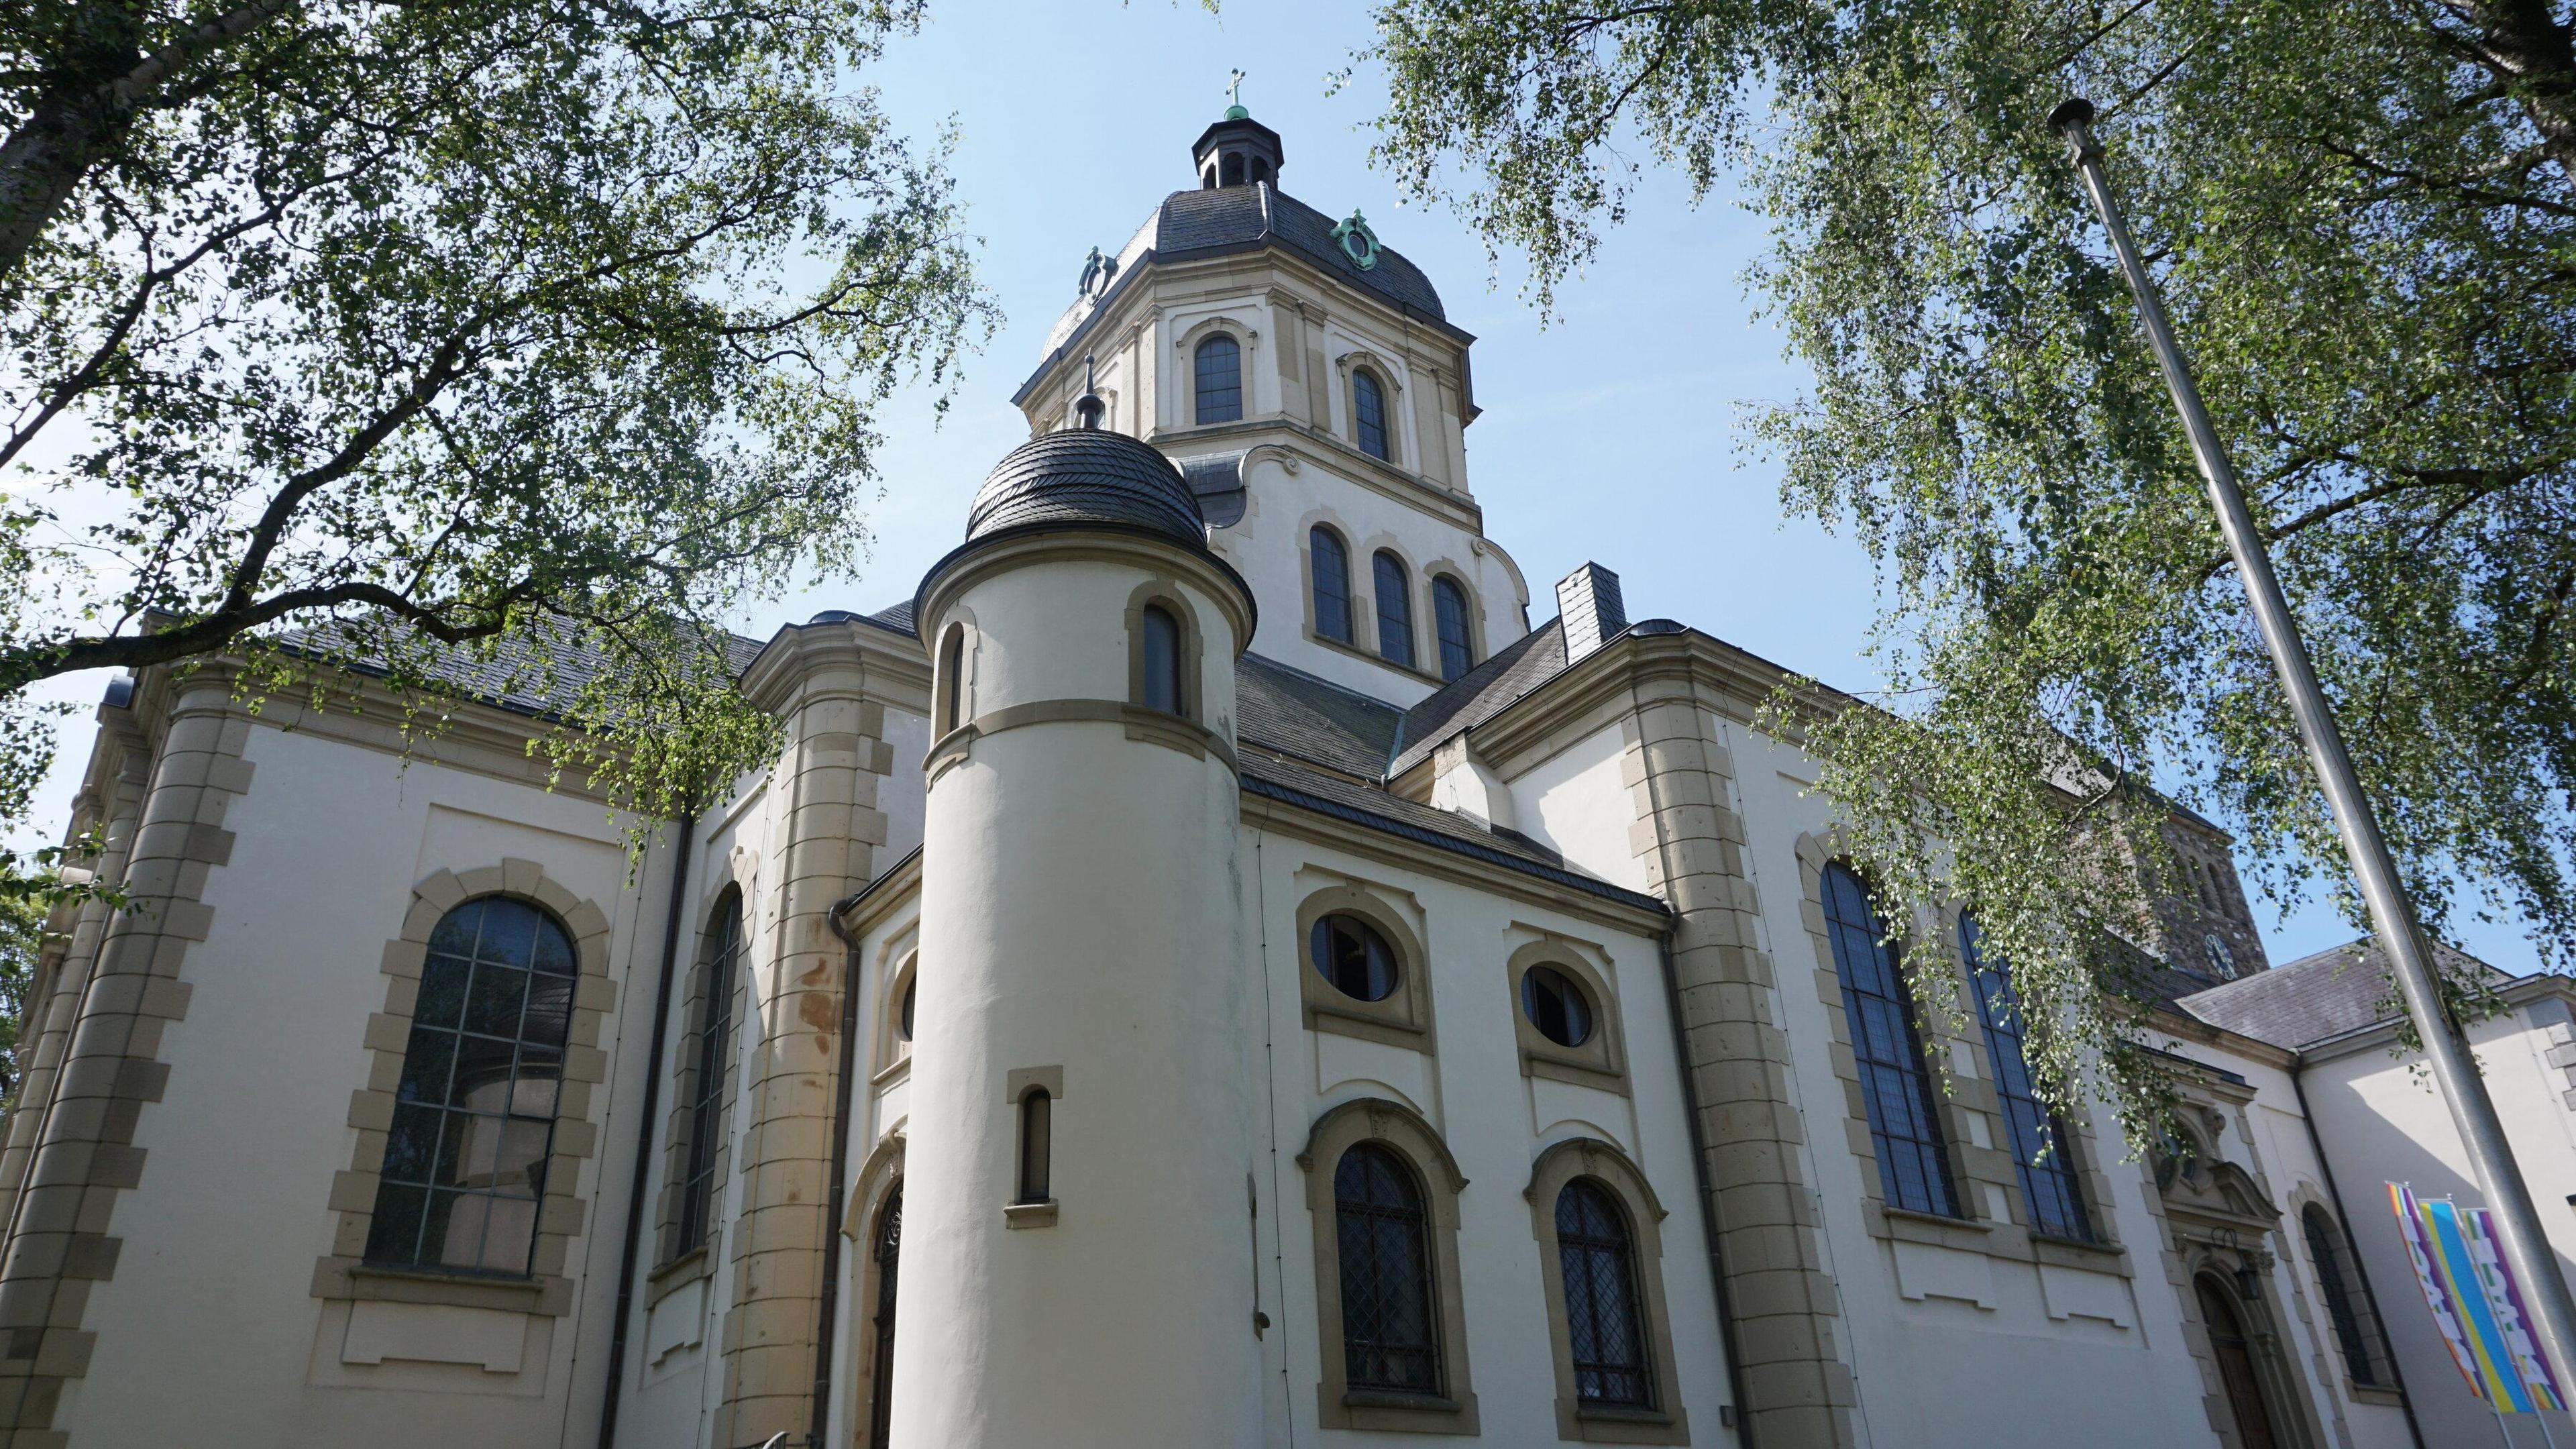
<point>946,718</point>
<point>1401,1130</point>
<point>893,1053</point>
<point>1167,592</point>
<point>1391,382</point>
<point>1603,1163</point>
<point>1404,1018</point>
<point>1350,588</point>
<point>672,1268</point>
<point>343,1274</point>
<point>1186,348</point>
<point>1444,568</point>
<point>880,1176</point>
<point>2304,1199</point>
<point>1974,1168</point>
<point>1601,1061</point>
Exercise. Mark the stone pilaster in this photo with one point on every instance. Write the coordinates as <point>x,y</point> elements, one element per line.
<point>1690,837</point>
<point>83,1146</point>
<point>827,782</point>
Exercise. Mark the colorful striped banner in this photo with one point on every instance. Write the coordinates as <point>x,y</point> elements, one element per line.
<point>2475,1302</point>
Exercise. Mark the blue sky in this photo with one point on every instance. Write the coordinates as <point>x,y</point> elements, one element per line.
<point>1609,434</point>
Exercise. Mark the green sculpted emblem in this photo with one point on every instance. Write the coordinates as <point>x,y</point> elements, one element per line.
<point>1359,243</point>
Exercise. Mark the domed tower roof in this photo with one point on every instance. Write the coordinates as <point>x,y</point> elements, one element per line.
<point>1087,478</point>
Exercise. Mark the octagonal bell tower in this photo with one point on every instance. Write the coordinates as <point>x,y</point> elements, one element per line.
<point>1081,1122</point>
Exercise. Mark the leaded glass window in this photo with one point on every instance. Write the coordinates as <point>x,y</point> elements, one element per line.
<point>2039,1136</point>
<point>1394,609</point>
<point>1387,1340</point>
<point>474,1115</point>
<point>714,1054</point>
<point>1219,388</point>
<point>1332,568</point>
<point>1368,413</point>
<point>1895,1082</point>
<point>2325,1249</point>
<point>1449,617</point>
<point>1603,1327</point>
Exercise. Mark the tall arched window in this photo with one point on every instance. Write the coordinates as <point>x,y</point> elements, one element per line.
<point>1368,413</point>
<point>1387,1341</point>
<point>1161,671</point>
<point>2343,1306</point>
<point>474,1115</point>
<point>707,1083</point>
<point>2049,1184</point>
<point>1449,619</point>
<point>1599,1264</point>
<point>1219,381</point>
<point>1331,563</point>
<point>889,1252</point>
<point>952,679</point>
<point>1895,1082</point>
<point>1394,608</point>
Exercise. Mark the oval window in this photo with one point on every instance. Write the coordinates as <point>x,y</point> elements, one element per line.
<point>1556,1006</point>
<point>1349,953</point>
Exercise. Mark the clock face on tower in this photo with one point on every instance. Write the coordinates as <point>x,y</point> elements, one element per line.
<point>2222,962</point>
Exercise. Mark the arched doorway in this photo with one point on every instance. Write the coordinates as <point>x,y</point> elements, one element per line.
<point>2235,1354</point>
<point>887,1249</point>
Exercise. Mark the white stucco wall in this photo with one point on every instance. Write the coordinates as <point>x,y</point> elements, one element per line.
<point>209,1332</point>
<point>2382,1122</point>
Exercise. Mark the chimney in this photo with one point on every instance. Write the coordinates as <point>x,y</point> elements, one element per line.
<point>1589,608</point>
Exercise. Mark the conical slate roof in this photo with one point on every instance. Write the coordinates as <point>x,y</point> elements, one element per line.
<point>1087,477</point>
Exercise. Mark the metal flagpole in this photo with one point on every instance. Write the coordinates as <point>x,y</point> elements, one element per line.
<point>2526,1248</point>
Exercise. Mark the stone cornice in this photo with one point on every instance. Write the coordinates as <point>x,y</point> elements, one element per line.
<point>892,668</point>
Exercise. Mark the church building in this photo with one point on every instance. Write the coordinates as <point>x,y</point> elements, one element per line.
<point>1225,962</point>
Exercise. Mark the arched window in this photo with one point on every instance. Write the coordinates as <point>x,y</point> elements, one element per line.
<point>1331,563</point>
<point>474,1114</point>
<point>1387,1339</point>
<point>1368,413</point>
<point>1161,671</point>
<point>1037,1145</point>
<point>1233,164</point>
<point>2049,1184</point>
<point>1449,618</point>
<point>1219,384</point>
<point>1601,1318</point>
<point>1394,609</point>
<point>1895,1082</point>
<point>889,1252</point>
<point>707,1081</point>
<point>952,679</point>
<point>2335,1280</point>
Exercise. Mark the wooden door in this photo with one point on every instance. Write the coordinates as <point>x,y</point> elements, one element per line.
<point>2236,1368</point>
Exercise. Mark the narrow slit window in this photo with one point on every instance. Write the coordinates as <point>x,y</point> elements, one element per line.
<point>1161,643</point>
<point>1037,1145</point>
<point>1394,609</point>
<point>952,678</point>
<point>1449,616</point>
<point>1332,567</point>
<point>1219,380</point>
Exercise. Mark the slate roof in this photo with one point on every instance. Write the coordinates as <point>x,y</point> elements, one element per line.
<point>1443,830</point>
<point>1224,219</point>
<point>1480,694</point>
<point>541,676</point>
<point>1288,710</point>
<point>1087,477</point>
<point>2333,992</point>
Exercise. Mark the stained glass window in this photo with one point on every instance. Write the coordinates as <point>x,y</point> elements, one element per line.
<point>2039,1138</point>
<point>1602,1324</point>
<point>1387,1338</point>
<point>1895,1082</point>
